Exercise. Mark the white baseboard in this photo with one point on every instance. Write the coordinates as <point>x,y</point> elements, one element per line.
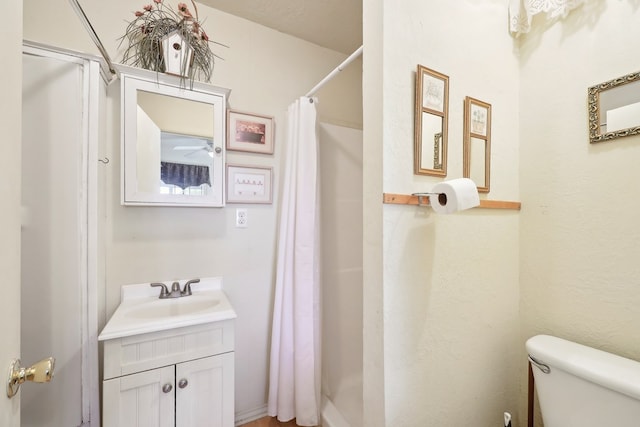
<point>250,415</point>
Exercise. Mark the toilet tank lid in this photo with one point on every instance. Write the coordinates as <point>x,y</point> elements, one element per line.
<point>606,369</point>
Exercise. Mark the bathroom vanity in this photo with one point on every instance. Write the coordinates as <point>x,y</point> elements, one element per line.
<point>169,362</point>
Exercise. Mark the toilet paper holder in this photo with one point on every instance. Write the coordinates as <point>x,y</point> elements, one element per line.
<point>422,202</point>
<point>412,199</point>
<point>451,196</point>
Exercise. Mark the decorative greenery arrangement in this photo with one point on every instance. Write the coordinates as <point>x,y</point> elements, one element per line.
<point>155,21</point>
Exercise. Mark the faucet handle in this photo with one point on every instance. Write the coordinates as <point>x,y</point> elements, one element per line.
<point>187,286</point>
<point>164,292</point>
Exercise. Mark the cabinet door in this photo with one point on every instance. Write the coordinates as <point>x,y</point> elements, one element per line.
<point>138,400</point>
<point>205,392</point>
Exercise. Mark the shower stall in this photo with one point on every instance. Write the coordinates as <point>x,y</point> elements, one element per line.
<point>341,269</point>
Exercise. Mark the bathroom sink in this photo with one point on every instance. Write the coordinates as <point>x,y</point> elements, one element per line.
<point>173,307</point>
<point>141,311</point>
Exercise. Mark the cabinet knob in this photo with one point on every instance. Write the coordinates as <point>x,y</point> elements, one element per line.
<point>183,383</point>
<point>167,388</point>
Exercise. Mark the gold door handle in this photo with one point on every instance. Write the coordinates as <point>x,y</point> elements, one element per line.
<point>41,372</point>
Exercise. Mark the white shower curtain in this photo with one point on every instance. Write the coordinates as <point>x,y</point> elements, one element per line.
<point>294,384</point>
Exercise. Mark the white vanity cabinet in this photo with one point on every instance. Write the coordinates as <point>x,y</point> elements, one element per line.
<point>182,377</point>
<point>169,362</point>
<point>212,377</point>
<point>138,400</point>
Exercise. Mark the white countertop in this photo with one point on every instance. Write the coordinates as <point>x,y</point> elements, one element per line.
<point>141,311</point>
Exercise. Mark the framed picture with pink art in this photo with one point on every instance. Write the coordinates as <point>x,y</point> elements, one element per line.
<point>249,184</point>
<point>249,132</point>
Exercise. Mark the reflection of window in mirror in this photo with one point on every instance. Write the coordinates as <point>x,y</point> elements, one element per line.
<point>477,143</point>
<point>430,134</point>
<point>186,164</point>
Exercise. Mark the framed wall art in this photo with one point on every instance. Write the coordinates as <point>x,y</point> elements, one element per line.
<point>249,184</point>
<point>431,122</point>
<point>249,132</point>
<point>477,143</point>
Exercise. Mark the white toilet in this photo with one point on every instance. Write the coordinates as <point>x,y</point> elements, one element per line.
<point>579,386</point>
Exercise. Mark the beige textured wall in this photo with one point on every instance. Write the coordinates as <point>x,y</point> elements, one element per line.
<point>579,241</point>
<point>265,70</point>
<point>450,283</point>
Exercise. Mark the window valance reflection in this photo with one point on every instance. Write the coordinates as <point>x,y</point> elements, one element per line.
<point>183,175</point>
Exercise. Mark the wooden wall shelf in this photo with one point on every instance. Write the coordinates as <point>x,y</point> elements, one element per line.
<point>408,199</point>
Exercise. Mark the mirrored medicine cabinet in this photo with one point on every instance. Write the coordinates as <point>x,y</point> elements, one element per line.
<point>173,146</point>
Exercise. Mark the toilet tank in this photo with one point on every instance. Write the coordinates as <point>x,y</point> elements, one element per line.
<point>585,387</point>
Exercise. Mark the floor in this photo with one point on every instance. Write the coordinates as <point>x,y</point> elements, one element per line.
<point>269,422</point>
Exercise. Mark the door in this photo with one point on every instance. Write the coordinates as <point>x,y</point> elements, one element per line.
<point>144,399</point>
<point>205,392</point>
<point>57,258</point>
<point>51,240</point>
<point>10,114</point>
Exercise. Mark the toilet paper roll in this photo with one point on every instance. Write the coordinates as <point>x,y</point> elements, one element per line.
<point>454,195</point>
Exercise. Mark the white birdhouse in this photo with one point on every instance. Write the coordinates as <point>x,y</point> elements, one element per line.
<point>177,54</point>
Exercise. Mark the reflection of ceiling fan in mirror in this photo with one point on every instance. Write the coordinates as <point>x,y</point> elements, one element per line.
<point>207,147</point>
<point>176,146</point>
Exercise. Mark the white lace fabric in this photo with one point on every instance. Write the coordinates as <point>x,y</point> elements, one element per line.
<point>521,12</point>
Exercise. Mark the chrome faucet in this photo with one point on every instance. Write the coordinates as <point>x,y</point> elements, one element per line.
<point>187,287</point>
<point>164,292</point>
<point>175,289</point>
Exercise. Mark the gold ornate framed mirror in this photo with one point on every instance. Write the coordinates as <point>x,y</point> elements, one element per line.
<point>430,133</point>
<point>477,143</point>
<point>614,108</point>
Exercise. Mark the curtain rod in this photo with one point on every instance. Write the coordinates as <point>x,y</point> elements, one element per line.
<point>332,74</point>
<point>92,33</point>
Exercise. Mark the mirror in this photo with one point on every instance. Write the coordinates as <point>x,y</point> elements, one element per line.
<point>173,143</point>
<point>477,143</point>
<point>614,108</point>
<point>431,109</point>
